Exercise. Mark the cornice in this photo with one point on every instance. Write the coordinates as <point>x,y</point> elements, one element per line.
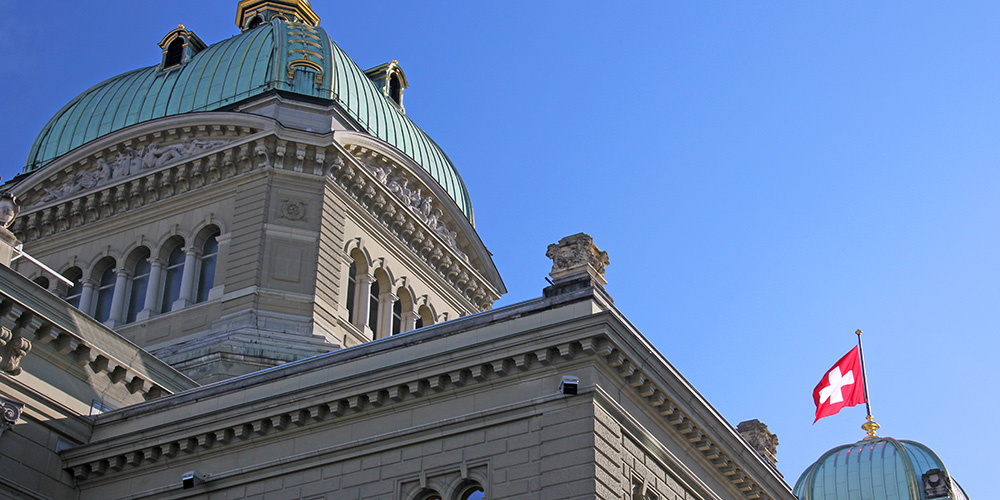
<point>87,464</point>
<point>86,343</point>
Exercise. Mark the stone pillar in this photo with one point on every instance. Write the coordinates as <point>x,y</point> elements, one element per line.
<point>187,279</point>
<point>409,321</point>
<point>577,263</point>
<point>87,295</point>
<point>361,293</point>
<point>152,290</point>
<point>385,303</point>
<point>118,300</point>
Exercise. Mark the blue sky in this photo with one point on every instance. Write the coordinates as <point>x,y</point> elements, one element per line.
<point>766,178</point>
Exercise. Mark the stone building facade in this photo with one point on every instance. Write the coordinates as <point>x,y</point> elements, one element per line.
<point>264,281</point>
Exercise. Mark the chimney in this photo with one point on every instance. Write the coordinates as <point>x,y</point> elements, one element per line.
<point>577,263</point>
<point>760,439</point>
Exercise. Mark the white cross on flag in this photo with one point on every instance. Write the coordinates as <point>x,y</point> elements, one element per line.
<point>843,385</point>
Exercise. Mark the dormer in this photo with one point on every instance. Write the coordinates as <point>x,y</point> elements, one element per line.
<point>252,13</point>
<point>389,77</point>
<point>179,46</point>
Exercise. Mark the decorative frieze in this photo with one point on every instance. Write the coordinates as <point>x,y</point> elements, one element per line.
<point>393,199</point>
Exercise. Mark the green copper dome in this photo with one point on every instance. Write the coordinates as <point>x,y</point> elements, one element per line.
<point>873,469</point>
<point>279,55</point>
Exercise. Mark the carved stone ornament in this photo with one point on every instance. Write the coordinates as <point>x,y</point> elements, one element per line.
<point>10,413</point>
<point>576,255</point>
<point>292,210</point>
<point>424,206</point>
<point>14,347</point>
<point>129,161</point>
<point>9,208</point>
<point>762,440</point>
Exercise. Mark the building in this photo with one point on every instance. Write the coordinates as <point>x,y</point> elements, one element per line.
<point>275,289</point>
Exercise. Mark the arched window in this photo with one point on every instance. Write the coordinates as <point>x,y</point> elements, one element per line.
<point>137,295</point>
<point>206,275</point>
<point>105,293</point>
<point>42,281</point>
<point>175,53</point>
<point>397,316</point>
<point>256,21</point>
<point>173,277</point>
<point>426,317</point>
<point>74,292</point>
<point>474,492</point>
<point>352,288</point>
<point>373,308</point>
<point>395,88</point>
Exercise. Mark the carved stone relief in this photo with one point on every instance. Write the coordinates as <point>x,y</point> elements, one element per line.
<point>14,347</point>
<point>129,161</point>
<point>292,210</point>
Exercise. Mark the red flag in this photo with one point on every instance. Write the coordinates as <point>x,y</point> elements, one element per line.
<point>843,385</point>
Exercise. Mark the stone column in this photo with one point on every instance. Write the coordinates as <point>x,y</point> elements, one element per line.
<point>152,290</point>
<point>385,303</point>
<point>187,279</point>
<point>87,295</point>
<point>362,291</point>
<point>409,321</point>
<point>118,299</point>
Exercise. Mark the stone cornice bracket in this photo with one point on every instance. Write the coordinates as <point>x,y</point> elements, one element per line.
<point>13,347</point>
<point>576,263</point>
<point>10,413</point>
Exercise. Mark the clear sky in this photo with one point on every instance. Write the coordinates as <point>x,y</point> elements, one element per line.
<point>766,178</point>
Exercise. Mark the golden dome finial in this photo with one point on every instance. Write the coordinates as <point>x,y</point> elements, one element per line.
<point>870,427</point>
<point>181,26</point>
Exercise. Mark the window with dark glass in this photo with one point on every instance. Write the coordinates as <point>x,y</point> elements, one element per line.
<point>74,292</point>
<point>42,281</point>
<point>352,287</point>
<point>137,296</point>
<point>395,88</point>
<point>206,275</point>
<point>175,53</point>
<point>256,21</point>
<point>397,316</point>
<point>373,308</point>
<point>105,293</point>
<point>172,280</point>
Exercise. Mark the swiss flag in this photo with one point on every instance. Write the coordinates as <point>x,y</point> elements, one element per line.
<point>843,385</point>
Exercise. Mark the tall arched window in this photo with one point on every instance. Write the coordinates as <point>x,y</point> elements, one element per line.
<point>352,288</point>
<point>105,293</point>
<point>140,282</point>
<point>397,316</point>
<point>173,277</point>
<point>74,292</point>
<point>373,308</point>
<point>206,275</point>
<point>175,53</point>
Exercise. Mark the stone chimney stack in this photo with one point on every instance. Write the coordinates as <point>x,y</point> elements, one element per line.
<point>577,263</point>
<point>765,442</point>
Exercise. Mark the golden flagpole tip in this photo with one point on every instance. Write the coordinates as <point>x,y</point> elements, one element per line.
<point>859,332</point>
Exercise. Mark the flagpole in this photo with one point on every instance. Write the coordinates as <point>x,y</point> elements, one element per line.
<point>870,426</point>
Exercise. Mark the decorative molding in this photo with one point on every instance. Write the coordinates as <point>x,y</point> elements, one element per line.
<point>17,320</point>
<point>292,209</point>
<point>10,413</point>
<point>394,200</point>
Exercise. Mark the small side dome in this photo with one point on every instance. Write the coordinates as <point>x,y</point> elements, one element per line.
<point>878,469</point>
<point>179,46</point>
